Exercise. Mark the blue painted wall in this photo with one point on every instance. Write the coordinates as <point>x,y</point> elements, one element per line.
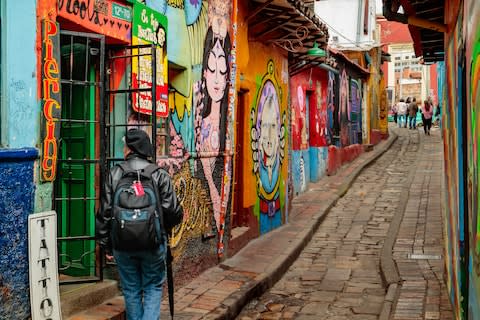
<point>318,162</point>
<point>20,106</point>
<point>301,170</point>
<point>20,111</point>
<point>16,203</point>
<point>308,166</point>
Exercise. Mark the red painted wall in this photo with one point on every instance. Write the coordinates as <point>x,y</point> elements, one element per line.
<point>310,83</point>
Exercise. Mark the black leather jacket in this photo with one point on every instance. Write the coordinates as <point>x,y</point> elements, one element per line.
<point>172,211</point>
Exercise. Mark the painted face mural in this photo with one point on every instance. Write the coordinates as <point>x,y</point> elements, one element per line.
<point>211,125</point>
<point>216,72</point>
<point>268,142</point>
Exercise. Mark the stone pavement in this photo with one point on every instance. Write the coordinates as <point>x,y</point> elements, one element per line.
<point>338,230</point>
<point>377,254</point>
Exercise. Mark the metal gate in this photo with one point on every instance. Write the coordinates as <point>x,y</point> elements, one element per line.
<point>124,92</point>
<point>80,157</point>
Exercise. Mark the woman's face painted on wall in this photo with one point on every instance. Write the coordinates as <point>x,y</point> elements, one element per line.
<point>216,72</point>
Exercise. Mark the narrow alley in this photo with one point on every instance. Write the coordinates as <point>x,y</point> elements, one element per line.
<point>394,203</point>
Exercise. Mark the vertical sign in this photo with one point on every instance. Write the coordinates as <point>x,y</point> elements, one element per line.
<point>149,27</point>
<point>51,99</point>
<point>42,253</point>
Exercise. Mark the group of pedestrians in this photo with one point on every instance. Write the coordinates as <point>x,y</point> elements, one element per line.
<point>405,112</point>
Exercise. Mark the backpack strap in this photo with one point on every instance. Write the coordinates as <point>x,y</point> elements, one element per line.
<point>149,170</point>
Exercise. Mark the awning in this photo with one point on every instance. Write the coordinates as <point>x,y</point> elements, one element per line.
<point>425,20</point>
<point>290,25</point>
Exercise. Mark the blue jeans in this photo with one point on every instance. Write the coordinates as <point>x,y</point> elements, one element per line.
<point>402,118</point>
<point>412,122</point>
<point>142,275</point>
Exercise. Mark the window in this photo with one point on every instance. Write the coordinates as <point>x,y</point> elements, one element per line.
<point>397,58</point>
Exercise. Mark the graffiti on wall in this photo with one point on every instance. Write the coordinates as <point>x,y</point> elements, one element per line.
<point>454,222</point>
<point>268,134</point>
<point>321,116</point>
<point>331,105</point>
<point>356,111</point>
<point>345,112</point>
<point>472,17</point>
<point>200,117</point>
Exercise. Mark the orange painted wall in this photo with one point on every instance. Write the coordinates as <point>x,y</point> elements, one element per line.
<point>271,64</point>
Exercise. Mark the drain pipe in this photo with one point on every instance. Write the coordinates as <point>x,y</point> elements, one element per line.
<point>411,19</point>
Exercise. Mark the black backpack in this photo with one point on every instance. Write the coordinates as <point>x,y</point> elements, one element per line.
<point>136,219</point>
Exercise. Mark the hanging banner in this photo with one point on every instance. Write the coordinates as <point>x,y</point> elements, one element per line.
<point>149,27</point>
<point>105,17</point>
<point>42,255</point>
<point>51,99</point>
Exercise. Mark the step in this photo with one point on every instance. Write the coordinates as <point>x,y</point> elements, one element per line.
<point>112,309</point>
<point>77,298</point>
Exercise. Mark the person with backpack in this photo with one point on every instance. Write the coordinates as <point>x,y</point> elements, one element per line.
<point>139,208</point>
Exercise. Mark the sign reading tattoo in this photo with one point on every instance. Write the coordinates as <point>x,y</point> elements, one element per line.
<point>50,98</point>
<point>42,247</point>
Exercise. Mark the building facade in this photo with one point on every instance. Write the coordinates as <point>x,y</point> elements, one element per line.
<point>236,109</point>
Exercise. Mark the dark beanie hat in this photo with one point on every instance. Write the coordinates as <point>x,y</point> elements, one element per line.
<point>139,142</point>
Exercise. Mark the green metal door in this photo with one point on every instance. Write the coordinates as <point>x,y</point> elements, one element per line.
<point>79,157</point>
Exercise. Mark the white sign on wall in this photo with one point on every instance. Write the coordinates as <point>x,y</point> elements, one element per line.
<point>42,253</point>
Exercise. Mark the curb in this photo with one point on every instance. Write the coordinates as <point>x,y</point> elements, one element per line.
<point>234,303</point>
<point>388,268</point>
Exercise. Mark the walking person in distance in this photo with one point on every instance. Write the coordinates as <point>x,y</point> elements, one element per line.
<point>412,114</point>
<point>402,113</point>
<point>427,116</point>
<point>139,208</point>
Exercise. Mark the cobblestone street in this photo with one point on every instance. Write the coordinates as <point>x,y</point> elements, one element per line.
<point>378,253</point>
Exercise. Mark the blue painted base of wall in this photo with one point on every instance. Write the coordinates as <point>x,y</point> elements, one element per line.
<point>308,166</point>
<point>16,203</point>
<point>318,163</point>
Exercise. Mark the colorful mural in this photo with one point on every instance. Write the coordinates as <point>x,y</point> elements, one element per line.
<point>356,111</point>
<point>200,105</point>
<point>453,177</point>
<point>345,109</point>
<point>268,134</point>
<point>332,106</point>
<point>472,30</point>
<point>309,155</point>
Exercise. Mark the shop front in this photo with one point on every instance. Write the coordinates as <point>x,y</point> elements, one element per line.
<point>97,64</point>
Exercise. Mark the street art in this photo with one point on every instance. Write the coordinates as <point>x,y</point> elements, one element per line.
<point>345,112</point>
<point>472,13</point>
<point>196,209</point>
<point>321,116</point>
<point>200,116</point>
<point>356,111</point>
<point>210,121</point>
<point>453,214</point>
<point>331,104</point>
<point>268,134</point>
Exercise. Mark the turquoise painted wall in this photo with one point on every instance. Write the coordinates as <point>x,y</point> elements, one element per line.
<point>20,106</point>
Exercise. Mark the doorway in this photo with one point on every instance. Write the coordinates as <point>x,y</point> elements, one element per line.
<point>239,214</point>
<point>76,188</point>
